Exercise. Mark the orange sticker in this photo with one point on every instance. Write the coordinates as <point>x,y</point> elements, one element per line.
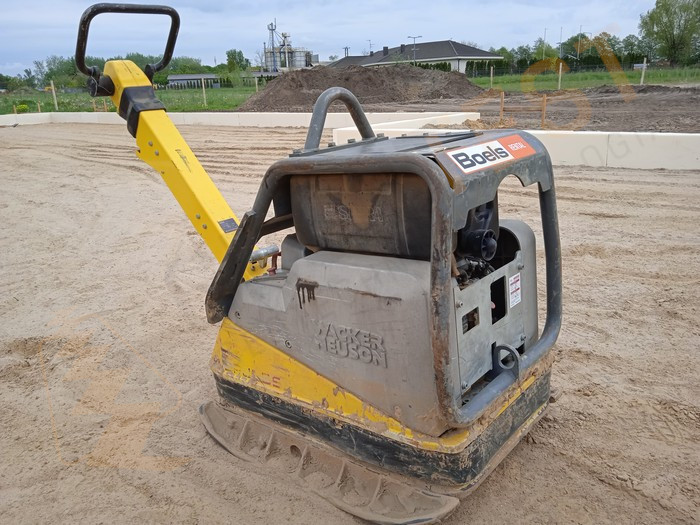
<point>516,146</point>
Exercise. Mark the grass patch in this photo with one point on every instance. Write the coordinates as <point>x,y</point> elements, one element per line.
<point>587,79</point>
<point>223,99</point>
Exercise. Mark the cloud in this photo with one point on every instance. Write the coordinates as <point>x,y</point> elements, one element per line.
<point>39,28</point>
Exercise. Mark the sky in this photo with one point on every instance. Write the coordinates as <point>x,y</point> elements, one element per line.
<point>34,29</point>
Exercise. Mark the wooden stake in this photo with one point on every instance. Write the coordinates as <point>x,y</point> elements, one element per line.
<point>38,106</point>
<point>14,108</point>
<point>94,106</point>
<point>560,66</point>
<point>204,93</point>
<point>491,77</point>
<point>256,84</point>
<point>644,68</point>
<point>544,109</point>
<point>503,103</point>
<point>55,102</point>
<point>104,104</point>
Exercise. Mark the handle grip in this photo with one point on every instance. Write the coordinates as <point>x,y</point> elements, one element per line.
<point>97,9</point>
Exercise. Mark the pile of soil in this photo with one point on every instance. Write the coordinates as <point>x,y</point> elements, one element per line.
<point>298,90</point>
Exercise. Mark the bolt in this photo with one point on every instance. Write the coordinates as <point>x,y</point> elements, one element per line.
<point>464,385</point>
<point>522,337</point>
<point>198,216</point>
<point>237,315</point>
<point>520,266</point>
<point>204,226</point>
<point>157,153</point>
<point>287,344</point>
<point>150,143</point>
<point>459,304</point>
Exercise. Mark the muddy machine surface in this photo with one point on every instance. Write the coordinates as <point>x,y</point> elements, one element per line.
<point>387,355</point>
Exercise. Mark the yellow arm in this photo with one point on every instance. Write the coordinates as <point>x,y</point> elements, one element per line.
<point>162,147</point>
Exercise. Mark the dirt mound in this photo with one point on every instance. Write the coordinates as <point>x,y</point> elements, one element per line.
<point>609,89</point>
<point>298,90</point>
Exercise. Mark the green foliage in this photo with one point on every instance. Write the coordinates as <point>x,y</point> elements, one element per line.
<point>439,66</point>
<point>22,108</point>
<point>590,79</point>
<point>673,25</point>
<point>224,99</point>
<point>236,61</point>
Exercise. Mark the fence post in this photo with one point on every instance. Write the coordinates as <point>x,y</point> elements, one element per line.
<point>644,68</point>
<point>491,77</point>
<point>560,65</point>
<point>104,103</point>
<point>204,93</point>
<point>38,106</point>
<point>55,102</point>
<point>256,84</point>
<point>503,103</point>
<point>94,106</point>
<point>544,108</point>
<point>14,108</point>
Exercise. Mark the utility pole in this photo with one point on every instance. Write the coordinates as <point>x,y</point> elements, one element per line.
<point>370,46</point>
<point>561,33</point>
<point>414,45</point>
<point>578,49</point>
<point>347,50</point>
<point>544,42</point>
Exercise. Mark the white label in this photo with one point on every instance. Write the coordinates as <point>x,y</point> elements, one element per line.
<point>515,290</point>
<point>481,156</point>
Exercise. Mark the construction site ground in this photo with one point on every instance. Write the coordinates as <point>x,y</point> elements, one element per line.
<point>605,108</point>
<point>614,107</point>
<point>104,345</point>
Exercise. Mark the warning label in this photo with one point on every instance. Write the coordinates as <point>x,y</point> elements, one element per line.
<point>514,290</point>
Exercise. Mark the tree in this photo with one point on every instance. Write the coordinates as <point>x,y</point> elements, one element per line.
<point>40,73</point>
<point>260,58</point>
<point>549,50</point>
<point>236,61</point>
<point>673,25</point>
<point>333,58</point>
<point>631,51</point>
<point>522,56</point>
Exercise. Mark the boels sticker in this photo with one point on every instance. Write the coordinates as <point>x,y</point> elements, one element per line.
<point>489,154</point>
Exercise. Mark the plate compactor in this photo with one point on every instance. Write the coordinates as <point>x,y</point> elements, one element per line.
<point>387,356</point>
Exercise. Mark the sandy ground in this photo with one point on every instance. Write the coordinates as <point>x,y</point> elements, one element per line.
<point>104,345</point>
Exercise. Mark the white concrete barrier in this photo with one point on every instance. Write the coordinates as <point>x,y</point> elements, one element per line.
<point>264,120</point>
<point>597,149</point>
<point>575,148</point>
<point>679,151</point>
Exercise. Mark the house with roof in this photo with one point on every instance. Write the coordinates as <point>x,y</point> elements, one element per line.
<point>458,55</point>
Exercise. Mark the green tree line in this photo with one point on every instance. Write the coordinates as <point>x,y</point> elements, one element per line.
<point>64,73</point>
<point>669,33</point>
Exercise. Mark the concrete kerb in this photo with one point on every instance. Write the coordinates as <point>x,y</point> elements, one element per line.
<point>264,120</point>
